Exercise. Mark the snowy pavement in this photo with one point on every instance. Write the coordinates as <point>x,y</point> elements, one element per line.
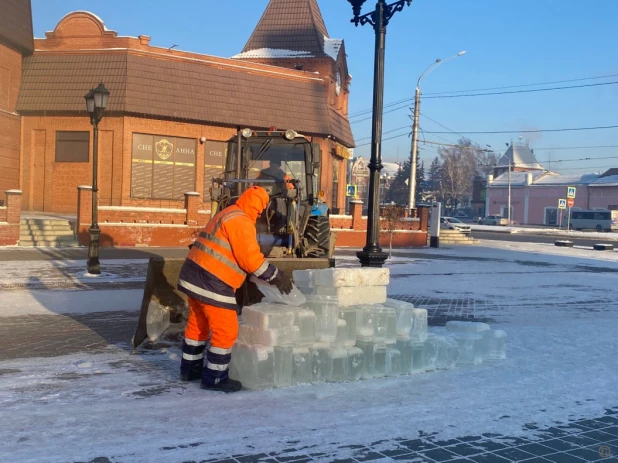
<point>71,390</point>
<point>604,236</point>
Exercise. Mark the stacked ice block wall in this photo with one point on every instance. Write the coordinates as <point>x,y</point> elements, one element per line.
<point>348,330</point>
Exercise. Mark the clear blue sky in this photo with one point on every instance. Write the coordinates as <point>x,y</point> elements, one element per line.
<point>507,43</point>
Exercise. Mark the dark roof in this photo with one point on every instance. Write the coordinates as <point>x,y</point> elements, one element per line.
<point>16,25</point>
<point>290,25</point>
<point>151,85</point>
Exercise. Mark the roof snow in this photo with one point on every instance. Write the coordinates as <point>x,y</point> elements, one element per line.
<point>273,53</point>
<point>610,180</point>
<point>97,17</point>
<point>332,47</point>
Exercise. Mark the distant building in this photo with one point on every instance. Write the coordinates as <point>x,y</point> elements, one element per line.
<point>521,159</point>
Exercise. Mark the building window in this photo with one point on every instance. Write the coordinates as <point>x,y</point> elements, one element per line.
<point>162,167</point>
<point>72,146</point>
<point>215,153</point>
<point>334,204</point>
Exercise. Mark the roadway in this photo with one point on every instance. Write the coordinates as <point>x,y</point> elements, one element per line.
<point>532,238</point>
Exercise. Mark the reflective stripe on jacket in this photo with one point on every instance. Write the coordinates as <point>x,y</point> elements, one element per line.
<point>225,252</point>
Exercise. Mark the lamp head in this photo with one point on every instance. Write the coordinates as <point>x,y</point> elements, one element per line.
<point>463,52</point>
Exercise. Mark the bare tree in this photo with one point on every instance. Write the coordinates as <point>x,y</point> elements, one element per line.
<point>391,220</point>
<point>459,166</point>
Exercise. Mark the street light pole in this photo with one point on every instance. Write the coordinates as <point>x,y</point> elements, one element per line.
<point>96,102</point>
<point>372,255</point>
<point>417,113</point>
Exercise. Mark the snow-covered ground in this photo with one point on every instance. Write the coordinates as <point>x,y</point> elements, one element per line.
<point>558,307</point>
<point>613,236</point>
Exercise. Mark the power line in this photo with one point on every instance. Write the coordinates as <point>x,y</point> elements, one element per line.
<point>576,147</point>
<point>394,103</point>
<point>571,129</point>
<point>523,85</point>
<point>581,159</point>
<point>532,90</point>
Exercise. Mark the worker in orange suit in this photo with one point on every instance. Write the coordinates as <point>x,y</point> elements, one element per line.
<point>225,252</point>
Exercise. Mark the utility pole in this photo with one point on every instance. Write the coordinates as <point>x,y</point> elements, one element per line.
<point>509,205</point>
<point>417,111</point>
<point>413,154</point>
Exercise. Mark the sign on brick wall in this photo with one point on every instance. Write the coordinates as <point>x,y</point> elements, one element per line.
<point>162,167</point>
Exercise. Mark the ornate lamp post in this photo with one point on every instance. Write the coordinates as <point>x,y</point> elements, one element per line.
<point>372,255</point>
<point>96,102</point>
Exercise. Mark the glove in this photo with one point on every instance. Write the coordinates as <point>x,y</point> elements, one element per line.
<point>283,283</point>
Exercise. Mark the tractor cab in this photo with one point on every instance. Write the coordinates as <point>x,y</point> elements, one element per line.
<point>286,164</point>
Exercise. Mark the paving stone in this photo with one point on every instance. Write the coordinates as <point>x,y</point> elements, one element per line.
<point>580,440</point>
<point>465,449</point>
<point>513,454</point>
<point>418,445</point>
<point>563,458</point>
<point>488,458</point>
<point>611,430</point>
<point>593,424</point>
<point>489,445</point>
<point>439,454</point>
<point>535,460</point>
<point>585,453</point>
<point>599,436</point>
<point>251,458</point>
<point>537,449</point>
<point>559,445</point>
<point>609,420</point>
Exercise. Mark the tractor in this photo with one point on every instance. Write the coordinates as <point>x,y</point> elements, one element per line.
<point>293,231</point>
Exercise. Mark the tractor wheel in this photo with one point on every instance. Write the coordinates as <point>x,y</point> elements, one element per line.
<point>317,234</point>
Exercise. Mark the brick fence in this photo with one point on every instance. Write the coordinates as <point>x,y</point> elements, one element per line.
<point>10,217</point>
<point>141,226</point>
<point>155,226</point>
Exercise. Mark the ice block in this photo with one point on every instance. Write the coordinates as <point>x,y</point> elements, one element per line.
<point>370,362</point>
<point>419,326</point>
<point>301,366</point>
<point>157,320</point>
<point>319,361</point>
<point>391,328</point>
<point>305,320</point>
<point>348,296</point>
<point>268,316</point>
<point>457,326</point>
<point>380,323</point>
<point>418,357</point>
<point>342,333</point>
<point>469,352</point>
<point>326,317</point>
<point>273,337</point>
<point>405,316</point>
<point>356,363</point>
<point>253,366</point>
<point>364,323</point>
<point>337,364</point>
<point>453,353</point>
<point>379,353</point>
<point>351,277</point>
<point>349,315</point>
<point>303,277</point>
<point>433,344</point>
<point>406,356</point>
<point>283,365</point>
<point>498,345</point>
<point>393,362</point>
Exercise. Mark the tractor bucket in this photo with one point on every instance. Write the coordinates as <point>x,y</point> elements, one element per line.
<point>164,306</point>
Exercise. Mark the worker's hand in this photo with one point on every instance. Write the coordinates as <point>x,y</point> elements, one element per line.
<point>283,283</point>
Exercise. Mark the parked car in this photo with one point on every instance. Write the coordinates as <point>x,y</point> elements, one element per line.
<point>451,223</point>
<point>494,220</point>
<point>461,215</point>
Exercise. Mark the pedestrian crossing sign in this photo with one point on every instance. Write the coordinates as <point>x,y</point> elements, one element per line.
<point>562,204</point>
<point>350,190</point>
<point>571,192</point>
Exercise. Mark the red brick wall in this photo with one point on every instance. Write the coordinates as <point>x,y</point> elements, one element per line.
<point>10,218</point>
<point>10,78</point>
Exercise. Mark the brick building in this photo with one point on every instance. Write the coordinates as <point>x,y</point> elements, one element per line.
<point>170,112</point>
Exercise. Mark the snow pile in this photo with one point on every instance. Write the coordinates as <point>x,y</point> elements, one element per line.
<point>351,333</point>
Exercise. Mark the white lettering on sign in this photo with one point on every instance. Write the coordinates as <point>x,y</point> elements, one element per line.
<point>185,151</point>
<point>217,154</point>
<point>144,147</point>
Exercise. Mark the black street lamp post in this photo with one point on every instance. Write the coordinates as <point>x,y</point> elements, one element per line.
<point>96,102</point>
<point>372,255</point>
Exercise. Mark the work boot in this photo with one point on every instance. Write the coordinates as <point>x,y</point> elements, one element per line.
<point>227,386</point>
<point>192,374</point>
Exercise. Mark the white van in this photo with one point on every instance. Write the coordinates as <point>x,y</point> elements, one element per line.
<point>594,219</point>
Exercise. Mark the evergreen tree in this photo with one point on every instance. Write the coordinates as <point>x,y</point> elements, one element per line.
<point>435,174</point>
<point>398,191</point>
<point>420,179</point>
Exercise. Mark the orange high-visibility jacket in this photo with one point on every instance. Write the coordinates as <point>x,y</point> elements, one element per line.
<point>226,252</point>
